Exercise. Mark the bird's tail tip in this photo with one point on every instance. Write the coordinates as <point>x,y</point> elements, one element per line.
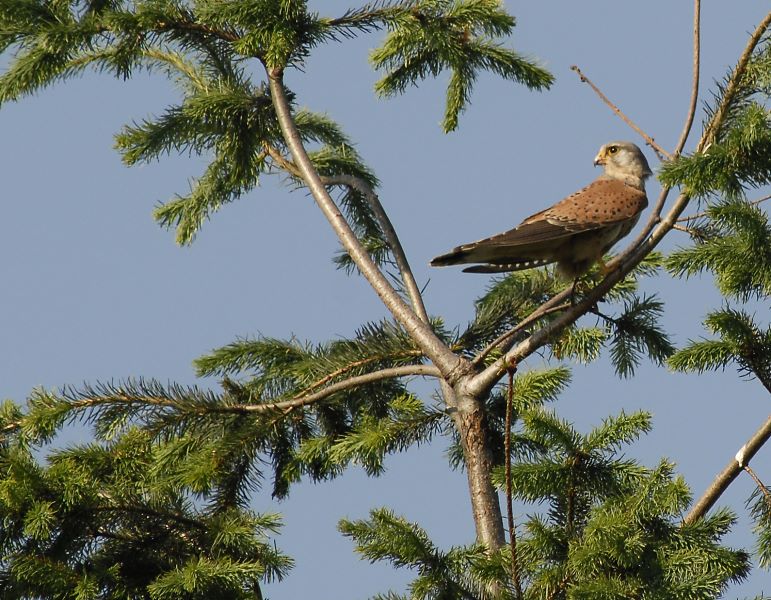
<point>444,260</point>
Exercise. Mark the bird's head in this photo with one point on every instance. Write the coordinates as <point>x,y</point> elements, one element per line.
<point>624,161</point>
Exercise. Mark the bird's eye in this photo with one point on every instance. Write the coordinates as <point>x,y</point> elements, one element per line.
<point>613,149</point>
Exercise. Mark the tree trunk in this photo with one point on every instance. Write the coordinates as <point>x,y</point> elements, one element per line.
<point>469,417</point>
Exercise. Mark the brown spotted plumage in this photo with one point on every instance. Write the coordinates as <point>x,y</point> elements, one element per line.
<point>575,232</point>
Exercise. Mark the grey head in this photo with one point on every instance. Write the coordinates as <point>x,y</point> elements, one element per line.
<point>624,161</point>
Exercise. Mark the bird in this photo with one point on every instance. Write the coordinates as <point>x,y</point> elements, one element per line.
<point>576,232</point>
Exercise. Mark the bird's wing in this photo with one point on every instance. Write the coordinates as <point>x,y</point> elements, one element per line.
<point>602,203</point>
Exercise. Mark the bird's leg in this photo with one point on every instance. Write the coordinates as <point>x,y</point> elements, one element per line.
<point>573,290</point>
<point>603,267</point>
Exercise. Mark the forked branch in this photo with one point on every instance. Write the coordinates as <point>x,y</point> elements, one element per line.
<point>408,279</point>
<point>450,365</point>
<point>392,239</point>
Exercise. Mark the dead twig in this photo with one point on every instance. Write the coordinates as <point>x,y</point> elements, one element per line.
<point>662,154</point>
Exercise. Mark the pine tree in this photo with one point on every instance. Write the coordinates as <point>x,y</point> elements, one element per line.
<point>157,506</point>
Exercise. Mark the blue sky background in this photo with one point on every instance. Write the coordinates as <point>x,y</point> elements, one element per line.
<point>94,290</point>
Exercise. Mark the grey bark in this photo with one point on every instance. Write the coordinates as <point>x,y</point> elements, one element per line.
<point>468,412</point>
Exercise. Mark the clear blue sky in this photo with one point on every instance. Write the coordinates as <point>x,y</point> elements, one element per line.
<point>94,290</point>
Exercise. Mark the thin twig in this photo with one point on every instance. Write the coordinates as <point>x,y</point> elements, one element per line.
<point>650,141</point>
<point>709,131</point>
<point>704,213</point>
<point>408,279</point>
<point>727,475</point>
<point>351,382</point>
<point>547,308</point>
<point>695,80</point>
<point>509,495</point>
<point>350,366</point>
<point>759,483</point>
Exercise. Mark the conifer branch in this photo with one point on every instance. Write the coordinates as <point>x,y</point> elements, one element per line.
<point>282,162</point>
<point>146,510</point>
<point>727,475</point>
<point>662,154</point>
<point>687,230</point>
<point>11,427</point>
<point>227,36</point>
<point>483,382</point>
<point>703,213</point>
<point>695,80</point>
<point>451,366</point>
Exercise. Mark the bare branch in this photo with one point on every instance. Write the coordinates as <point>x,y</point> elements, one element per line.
<point>452,366</point>
<point>648,139</point>
<point>695,81</point>
<point>384,221</point>
<point>347,384</point>
<point>392,238</point>
<point>727,475</point>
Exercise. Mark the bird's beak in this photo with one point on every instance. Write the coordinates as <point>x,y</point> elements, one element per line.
<point>599,160</point>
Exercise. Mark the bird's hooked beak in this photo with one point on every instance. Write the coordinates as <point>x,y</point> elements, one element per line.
<point>599,159</point>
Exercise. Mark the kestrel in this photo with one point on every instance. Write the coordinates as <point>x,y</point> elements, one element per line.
<point>574,233</point>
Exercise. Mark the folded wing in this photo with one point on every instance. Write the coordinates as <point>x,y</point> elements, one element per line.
<point>547,236</point>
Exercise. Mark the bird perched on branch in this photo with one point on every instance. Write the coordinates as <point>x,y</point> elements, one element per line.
<point>574,233</point>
